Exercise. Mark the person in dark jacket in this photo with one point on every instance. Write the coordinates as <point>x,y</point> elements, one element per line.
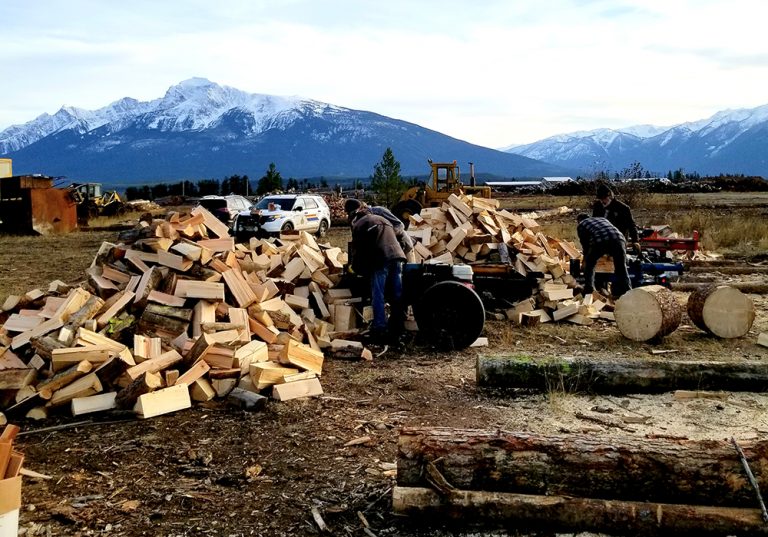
<point>378,255</point>
<point>351,206</point>
<point>599,237</point>
<point>618,213</point>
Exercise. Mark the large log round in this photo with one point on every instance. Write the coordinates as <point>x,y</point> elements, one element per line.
<point>703,472</point>
<point>565,514</point>
<point>721,310</point>
<point>647,312</point>
<point>635,375</point>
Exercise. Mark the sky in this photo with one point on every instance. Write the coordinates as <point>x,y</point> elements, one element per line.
<point>493,73</point>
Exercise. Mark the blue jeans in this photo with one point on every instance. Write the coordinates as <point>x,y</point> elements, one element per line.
<point>387,285</point>
<point>617,250</point>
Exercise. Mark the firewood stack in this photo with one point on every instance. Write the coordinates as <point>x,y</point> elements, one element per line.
<point>181,314</point>
<point>473,230</point>
<point>336,205</point>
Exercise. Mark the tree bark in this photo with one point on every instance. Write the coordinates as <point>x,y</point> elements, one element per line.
<point>636,375</point>
<point>45,345</point>
<point>721,310</point>
<point>744,287</point>
<point>62,378</point>
<point>146,383</point>
<point>88,311</point>
<point>707,472</point>
<point>557,513</point>
<point>166,328</point>
<point>647,312</point>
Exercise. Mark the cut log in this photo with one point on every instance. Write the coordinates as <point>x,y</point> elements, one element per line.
<point>706,472</point>
<point>146,383</point>
<point>163,401</point>
<point>721,310</point>
<point>246,400</point>
<point>164,361</point>
<point>44,346</point>
<point>14,379</point>
<point>647,312</point>
<point>294,390</point>
<point>201,390</point>
<point>197,370</point>
<point>82,387</point>
<point>636,375</point>
<point>94,403</point>
<point>302,356</point>
<point>87,311</point>
<point>572,515</point>
<point>64,358</point>
<point>47,387</point>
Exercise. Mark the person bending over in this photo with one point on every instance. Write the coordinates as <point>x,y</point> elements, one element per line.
<point>351,206</point>
<point>378,255</point>
<point>599,237</point>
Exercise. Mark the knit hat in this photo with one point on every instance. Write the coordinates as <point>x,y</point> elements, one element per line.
<point>603,191</point>
<point>352,205</point>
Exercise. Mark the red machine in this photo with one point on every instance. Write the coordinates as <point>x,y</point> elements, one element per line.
<point>651,238</point>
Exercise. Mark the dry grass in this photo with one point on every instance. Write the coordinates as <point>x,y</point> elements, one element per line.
<point>730,223</point>
<point>105,221</point>
<point>27,262</point>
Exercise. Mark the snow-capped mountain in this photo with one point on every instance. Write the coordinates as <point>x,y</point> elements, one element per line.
<point>731,141</point>
<point>200,129</point>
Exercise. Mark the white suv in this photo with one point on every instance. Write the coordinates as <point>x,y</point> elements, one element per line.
<point>283,212</point>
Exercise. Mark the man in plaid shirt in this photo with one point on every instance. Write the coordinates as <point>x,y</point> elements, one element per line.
<point>598,238</point>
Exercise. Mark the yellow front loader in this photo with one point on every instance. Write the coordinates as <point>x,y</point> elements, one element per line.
<point>444,180</point>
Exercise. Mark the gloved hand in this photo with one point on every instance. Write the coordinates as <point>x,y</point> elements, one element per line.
<point>636,248</point>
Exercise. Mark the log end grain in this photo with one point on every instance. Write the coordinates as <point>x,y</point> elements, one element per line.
<point>647,312</point>
<point>721,310</point>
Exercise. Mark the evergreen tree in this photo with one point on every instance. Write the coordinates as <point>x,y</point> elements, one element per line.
<point>159,190</point>
<point>208,187</point>
<point>132,193</point>
<point>386,179</point>
<point>270,182</point>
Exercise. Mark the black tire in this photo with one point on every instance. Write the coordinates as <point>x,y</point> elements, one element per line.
<point>322,230</point>
<point>450,315</point>
<point>405,208</point>
<point>288,226</point>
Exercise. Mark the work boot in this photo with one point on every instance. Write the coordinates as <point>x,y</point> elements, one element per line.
<point>376,337</point>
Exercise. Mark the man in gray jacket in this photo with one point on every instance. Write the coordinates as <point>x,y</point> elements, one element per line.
<point>351,206</point>
<point>378,255</point>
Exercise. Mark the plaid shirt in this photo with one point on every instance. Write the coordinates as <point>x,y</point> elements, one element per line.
<point>597,229</point>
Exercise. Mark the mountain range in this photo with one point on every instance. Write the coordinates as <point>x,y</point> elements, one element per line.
<point>200,129</point>
<point>731,141</point>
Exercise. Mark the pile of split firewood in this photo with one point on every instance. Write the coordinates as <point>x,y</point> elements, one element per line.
<point>473,230</point>
<point>177,312</point>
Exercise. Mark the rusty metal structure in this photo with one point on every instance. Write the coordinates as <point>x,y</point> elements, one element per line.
<point>30,204</point>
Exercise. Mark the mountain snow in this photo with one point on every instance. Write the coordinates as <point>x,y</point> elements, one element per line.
<point>192,105</point>
<point>696,143</point>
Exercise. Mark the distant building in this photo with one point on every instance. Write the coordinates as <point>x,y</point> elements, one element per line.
<point>551,181</point>
<point>543,183</point>
<point>513,185</point>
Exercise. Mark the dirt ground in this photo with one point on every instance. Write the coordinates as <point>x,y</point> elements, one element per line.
<point>213,470</point>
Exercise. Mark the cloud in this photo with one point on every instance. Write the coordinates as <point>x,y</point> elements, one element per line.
<point>492,72</point>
